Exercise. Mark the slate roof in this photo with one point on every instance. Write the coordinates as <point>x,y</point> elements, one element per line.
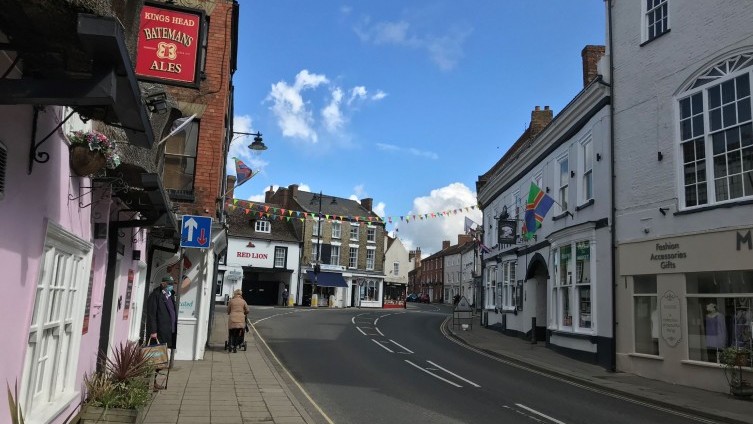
<point>243,225</point>
<point>309,202</point>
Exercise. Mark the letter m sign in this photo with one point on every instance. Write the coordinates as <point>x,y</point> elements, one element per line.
<point>744,238</point>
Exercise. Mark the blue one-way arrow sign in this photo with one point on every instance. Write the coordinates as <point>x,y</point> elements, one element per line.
<point>196,231</point>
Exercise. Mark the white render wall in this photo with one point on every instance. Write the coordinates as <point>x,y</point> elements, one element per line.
<point>598,129</point>
<point>647,78</point>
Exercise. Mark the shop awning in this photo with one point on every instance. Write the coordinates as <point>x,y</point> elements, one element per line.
<point>327,279</point>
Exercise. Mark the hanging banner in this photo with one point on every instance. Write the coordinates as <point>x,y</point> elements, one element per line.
<point>168,45</point>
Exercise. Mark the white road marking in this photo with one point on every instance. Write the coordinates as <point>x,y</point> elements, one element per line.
<point>279,315</point>
<point>454,375</point>
<point>353,320</point>
<point>533,411</point>
<point>443,330</point>
<point>362,332</point>
<point>383,346</point>
<point>401,346</point>
<point>380,333</point>
<point>433,375</point>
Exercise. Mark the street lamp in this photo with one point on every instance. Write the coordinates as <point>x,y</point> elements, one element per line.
<point>317,264</point>
<point>258,143</point>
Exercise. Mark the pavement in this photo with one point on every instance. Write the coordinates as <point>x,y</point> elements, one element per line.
<point>246,387</point>
<point>226,388</point>
<point>692,401</point>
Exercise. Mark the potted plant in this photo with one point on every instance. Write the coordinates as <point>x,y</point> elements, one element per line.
<point>120,392</point>
<point>91,151</point>
<point>733,359</point>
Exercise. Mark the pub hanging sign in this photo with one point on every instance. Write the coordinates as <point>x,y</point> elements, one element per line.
<point>169,44</point>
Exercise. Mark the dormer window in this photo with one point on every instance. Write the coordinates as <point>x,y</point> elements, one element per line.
<point>263,227</point>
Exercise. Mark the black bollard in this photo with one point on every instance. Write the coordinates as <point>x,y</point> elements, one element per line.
<point>533,330</point>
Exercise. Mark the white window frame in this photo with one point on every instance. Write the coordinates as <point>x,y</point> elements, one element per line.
<point>658,7</point>
<point>508,283</point>
<point>263,226</point>
<point>562,182</point>
<point>491,287</point>
<point>317,227</point>
<point>280,257</point>
<point>371,234</point>
<point>355,231</point>
<point>336,229</point>
<point>48,385</point>
<point>587,163</point>
<point>370,259</point>
<point>721,74</point>
<point>396,268</point>
<point>352,257</point>
<point>334,258</point>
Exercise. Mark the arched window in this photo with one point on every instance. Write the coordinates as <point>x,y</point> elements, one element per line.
<point>716,135</point>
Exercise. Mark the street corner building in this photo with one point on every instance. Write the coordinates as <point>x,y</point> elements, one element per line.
<point>684,281</point>
<point>93,165</point>
<point>546,203</point>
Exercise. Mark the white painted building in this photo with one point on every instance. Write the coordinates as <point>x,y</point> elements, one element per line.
<point>469,269</point>
<point>684,186</point>
<point>562,278</point>
<point>396,268</point>
<point>263,257</point>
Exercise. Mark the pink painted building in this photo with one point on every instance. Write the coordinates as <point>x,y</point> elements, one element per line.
<point>73,248</point>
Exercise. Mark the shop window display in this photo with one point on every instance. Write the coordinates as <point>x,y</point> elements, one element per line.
<point>719,313</point>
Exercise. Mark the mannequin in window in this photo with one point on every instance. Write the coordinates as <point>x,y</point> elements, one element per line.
<point>716,332</point>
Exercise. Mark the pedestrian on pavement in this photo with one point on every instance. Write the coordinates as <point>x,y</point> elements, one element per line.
<point>237,308</point>
<point>162,313</point>
<point>284,296</point>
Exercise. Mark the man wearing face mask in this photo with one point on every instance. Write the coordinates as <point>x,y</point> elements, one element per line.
<point>161,313</point>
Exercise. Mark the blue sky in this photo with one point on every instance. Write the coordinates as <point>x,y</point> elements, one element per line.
<point>405,102</point>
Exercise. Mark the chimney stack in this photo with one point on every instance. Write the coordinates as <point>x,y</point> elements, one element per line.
<point>230,181</point>
<point>268,195</point>
<point>539,120</point>
<point>367,203</point>
<point>591,55</point>
<point>445,244</point>
<point>464,239</point>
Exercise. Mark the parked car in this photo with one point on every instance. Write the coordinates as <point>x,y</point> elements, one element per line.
<point>424,298</point>
<point>413,297</point>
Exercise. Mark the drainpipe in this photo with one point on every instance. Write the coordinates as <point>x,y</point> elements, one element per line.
<point>613,207</point>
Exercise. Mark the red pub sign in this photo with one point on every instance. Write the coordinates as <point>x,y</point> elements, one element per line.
<point>168,44</point>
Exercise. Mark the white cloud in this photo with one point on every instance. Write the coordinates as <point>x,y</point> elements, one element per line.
<point>379,209</point>
<point>445,50</point>
<point>358,92</point>
<point>409,150</point>
<point>379,95</point>
<point>239,147</point>
<point>293,117</point>
<point>332,115</point>
<point>428,233</point>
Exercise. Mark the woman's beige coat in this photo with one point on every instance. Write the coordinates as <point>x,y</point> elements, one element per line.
<point>237,309</point>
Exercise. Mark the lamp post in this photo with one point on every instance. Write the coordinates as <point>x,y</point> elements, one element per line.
<point>317,263</point>
<point>257,144</point>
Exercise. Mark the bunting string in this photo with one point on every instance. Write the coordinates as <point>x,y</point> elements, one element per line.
<point>274,213</point>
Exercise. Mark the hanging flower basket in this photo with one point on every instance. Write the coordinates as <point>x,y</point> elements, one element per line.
<point>91,151</point>
<point>86,162</point>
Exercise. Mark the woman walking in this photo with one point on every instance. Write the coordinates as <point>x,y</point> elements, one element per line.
<point>236,323</point>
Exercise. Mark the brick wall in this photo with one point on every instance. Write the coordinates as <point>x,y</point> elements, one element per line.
<point>213,98</point>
